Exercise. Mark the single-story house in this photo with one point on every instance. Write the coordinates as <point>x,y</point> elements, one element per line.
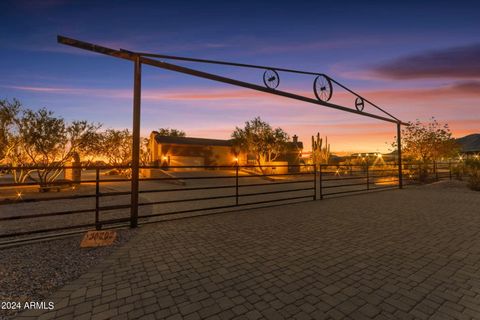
<point>168,151</point>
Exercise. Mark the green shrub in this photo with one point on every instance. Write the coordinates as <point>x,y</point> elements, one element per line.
<point>474,182</point>
<point>458,171</point>
<point>473,164</point>
<point>423,173</point>
<point>473,169</point>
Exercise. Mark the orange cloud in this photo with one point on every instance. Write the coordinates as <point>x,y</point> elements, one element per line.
<point>204,94</point>
<point>345,131</point>
<point>461,89</point>
<point>151,94</point>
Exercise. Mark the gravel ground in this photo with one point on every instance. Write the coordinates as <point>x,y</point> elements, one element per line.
<point>32,272</point>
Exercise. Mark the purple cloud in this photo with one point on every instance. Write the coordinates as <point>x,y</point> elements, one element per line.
<point>472,87</point>
<point>456,62</point>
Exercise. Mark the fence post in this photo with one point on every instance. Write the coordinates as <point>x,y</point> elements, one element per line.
<point>314,182</point>
<point>399,155</point>
<point>137,80</point>
<point>450,169</point>
<point>368,177</point>
<point>236,184</point>
<point>320,180</point>
<point>98,226</point>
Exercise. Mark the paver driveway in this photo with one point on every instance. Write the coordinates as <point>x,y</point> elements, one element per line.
<point>401,254</point>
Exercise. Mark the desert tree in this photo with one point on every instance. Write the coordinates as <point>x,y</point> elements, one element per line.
<point>93,151</point>
<point>41,143</point>
<point>116,147</point>
<point>259,139</point>
<point>9,111</point>
<point>427,143</point>
<point>171,132</point>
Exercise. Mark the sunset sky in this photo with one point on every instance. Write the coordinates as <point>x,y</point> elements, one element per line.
<point>416,59</point>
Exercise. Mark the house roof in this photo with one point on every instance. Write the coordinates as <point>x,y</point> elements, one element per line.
<point>193,141</point>
<point>207,142</point>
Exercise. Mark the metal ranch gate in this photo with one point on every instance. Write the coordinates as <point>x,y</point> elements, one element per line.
<point>323,88</point>
<point>310,183</point>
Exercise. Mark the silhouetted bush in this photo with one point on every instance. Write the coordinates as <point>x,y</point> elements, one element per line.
<point>458,171</point>
<point>473,168</point>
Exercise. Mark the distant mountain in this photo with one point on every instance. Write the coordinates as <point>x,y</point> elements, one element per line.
<point>470,143</point>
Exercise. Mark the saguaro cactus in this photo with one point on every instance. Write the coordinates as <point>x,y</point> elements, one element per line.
<point>320,154</point>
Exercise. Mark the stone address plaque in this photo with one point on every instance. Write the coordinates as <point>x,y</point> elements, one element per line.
<point>98,239</point>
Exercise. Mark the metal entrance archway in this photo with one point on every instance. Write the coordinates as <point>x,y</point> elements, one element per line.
<point>322,87</point>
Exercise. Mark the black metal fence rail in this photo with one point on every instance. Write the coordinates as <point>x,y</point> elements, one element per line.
<point>100,201</point>
<point>417,174</point>
<point>344,179</point>
<point>240,192</point>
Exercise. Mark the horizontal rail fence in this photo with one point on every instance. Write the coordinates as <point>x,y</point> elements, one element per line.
<point>102,197</point>
<point>344,179</point>
<point>423,173</point>
<point>226,187</point>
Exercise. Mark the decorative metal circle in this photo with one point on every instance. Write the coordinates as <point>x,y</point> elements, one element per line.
<point>359,104</point>
<point>271,79</point>
<point>322,87</point>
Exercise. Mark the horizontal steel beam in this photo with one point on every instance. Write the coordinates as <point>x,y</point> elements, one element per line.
<point>235,64</point>
<point>168,66</point>
<point>226,63</point>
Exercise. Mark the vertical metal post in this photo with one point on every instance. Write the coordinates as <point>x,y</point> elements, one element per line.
<point>368,176</point>
<point>320,180</point>
<point>314,182</point>
<point>399,154</point>
<point>450,169</point>
<point>137,83</point>
<point>98,226</point>
<point>236,184</point>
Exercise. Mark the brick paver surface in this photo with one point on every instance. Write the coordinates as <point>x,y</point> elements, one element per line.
<point>402,254</point>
